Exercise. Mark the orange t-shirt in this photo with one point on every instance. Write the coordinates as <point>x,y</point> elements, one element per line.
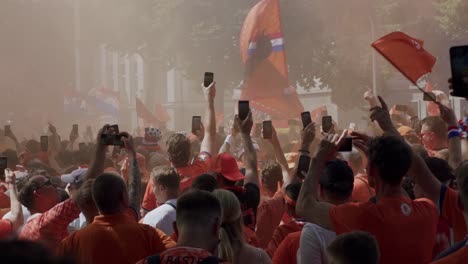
<point>4,200</point>
<point>181,255</point>
<point>269,214</point>
<point>458,257</point>
<point>187,175</point>
<point>114,239</point>
<point>405,229</point>
<point>362,191</point>
<point>6,228</point>
<point>280,233</point>
<point>287,250</point>
<point>452,210</point>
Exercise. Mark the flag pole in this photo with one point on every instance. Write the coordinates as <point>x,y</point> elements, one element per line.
<point>374,83</point>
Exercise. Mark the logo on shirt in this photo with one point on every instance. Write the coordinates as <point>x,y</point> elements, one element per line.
<point>405,209</point>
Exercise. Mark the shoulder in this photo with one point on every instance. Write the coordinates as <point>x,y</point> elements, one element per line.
<point>249,253</point>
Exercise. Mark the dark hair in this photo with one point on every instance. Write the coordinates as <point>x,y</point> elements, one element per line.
<point>440,168</point>
<point>436,125</point>
<point>198,209</point>
<point>28,252</point>
<point>391,157</point>
<point>461,173</point>
<point>178,149</point>
<point>84,197</point>
<point>293,190</point>
<point>166,176</point>
<point>271,174</point>
<point>26,192</point>
<point>355,247</point>
<point>205,182</point>
<point>63,195</point>
<point>108,189</point>
<point>337,179</point>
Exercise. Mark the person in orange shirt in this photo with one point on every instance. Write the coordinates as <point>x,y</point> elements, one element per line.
<point>292,192</point>
<point>198,223</point>
<point>363,190</point>
<point>459,252</point>
<point>405,229</point>
<point>287,250</point>
<point>179,152</point>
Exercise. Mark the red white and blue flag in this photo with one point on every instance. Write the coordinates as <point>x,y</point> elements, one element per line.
<point>105,100</point>
<point>266,83</point>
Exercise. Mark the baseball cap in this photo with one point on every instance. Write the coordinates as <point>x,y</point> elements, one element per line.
<point>75,176</point>
<point>226,165</point>
<point>337,177</point>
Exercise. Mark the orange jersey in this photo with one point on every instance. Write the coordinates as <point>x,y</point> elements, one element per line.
<point>405,229</point>
<point>287,250</point>
<point>362,191</point>
<point>187,175</point>
<point>181,255</point>
<point>280,233</point>
<point>452,210</point>
<point>269,214</point>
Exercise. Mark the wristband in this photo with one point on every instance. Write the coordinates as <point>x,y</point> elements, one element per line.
<point>229,139</point>
<point>453,133</point>
<point>453,128</point>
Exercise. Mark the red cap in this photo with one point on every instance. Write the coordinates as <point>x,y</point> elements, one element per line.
<point>226,165</point>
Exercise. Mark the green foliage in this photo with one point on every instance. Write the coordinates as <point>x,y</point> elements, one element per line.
<point>453,19</point>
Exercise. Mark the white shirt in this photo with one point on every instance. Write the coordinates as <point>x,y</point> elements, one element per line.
<point>313,245</point>
<point>77,224</point>
<point>26,214</point>
<point>163,217</point>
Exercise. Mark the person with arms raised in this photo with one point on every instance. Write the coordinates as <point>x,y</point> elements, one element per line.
<point>405,229</point>
<point>9,226</point>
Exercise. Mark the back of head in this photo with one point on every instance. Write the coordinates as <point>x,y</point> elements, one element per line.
<point>84,197</point>
<point>441,169</point>
<point>462,178</point>
<point>205,182</point>
<point>232,236</point>
<point>178,149</point>
<point>337,180</point>
<point>166,176</point>
<point>197,211</point>
<point>437,125</point>
<point>109,191</point>
<point>27,252</point>
<point>271,175</point>
<point>355,247</point>
<point>390,157</point>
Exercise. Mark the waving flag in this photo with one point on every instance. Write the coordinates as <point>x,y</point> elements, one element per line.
<point>266,82</point>
<point>406,54</point>
<point>73,102</point>
<point>161,113</point>
<point>149,120</point>
<point>105,101</point>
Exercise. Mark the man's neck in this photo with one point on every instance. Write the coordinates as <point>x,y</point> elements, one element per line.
<point>191,240</point>
<point>386,190</point>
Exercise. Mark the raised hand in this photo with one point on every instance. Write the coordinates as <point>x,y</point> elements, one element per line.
<point>329,146</point>
<point>308,135</point>
<point>246,124</point>
<point>382,116</point>
<point>210,91</point>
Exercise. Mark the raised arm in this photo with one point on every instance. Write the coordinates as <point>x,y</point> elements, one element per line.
<point>308,207</point>
<point>230,140</point>
<point>251,172</point>
<point>288,178</point>
<point>454,141</point>
<point>134,181</point>
<point>419,172</point>
<point>209,141</point>
<point>97,165</point>
<point>17,218</point>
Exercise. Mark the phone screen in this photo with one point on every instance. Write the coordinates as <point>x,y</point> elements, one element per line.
<point>306,119</point>
<point>209,77</point>
<point>44,143</point>
<point>459,65</point>
<point>244,109</point>
<point>111,140</point>
<point>303,166</point>
<point>267,130</point>
<point>327,124</point>
<point>347,145</point>
<point>196,123</point>
<point>75,128</point>
<point>3,164</point>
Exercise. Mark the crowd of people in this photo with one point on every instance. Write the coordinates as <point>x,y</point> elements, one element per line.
<point>206,197</point>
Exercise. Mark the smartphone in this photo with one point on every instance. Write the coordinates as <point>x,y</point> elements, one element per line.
<point>196,123</point>
<point>7,129</point>
<point>244,109</point>
<point>75,129</point>
<point>402,108</point>
<point>267,130</point>
<point>115,129</point>
<point>347,145</point>
<point>303,166</point>
<point>327,124</point>
<point>111,140</point>
<point>306,119</point>
<point>429,97</point>
<point>82,146</point>
<point>3,164</point>
<point>44,143</point>
<point>209,77</point>
<point>459,66</point>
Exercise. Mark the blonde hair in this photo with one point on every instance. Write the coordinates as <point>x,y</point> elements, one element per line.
<point>231,232</point>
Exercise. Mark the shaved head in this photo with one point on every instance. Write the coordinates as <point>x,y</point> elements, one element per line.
<point>109,192</point>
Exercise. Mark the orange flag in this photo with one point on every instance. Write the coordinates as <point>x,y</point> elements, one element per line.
<point>406,54</point>
<point>161,113</point>
<point>266,82</point>
<point>142,112</point>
